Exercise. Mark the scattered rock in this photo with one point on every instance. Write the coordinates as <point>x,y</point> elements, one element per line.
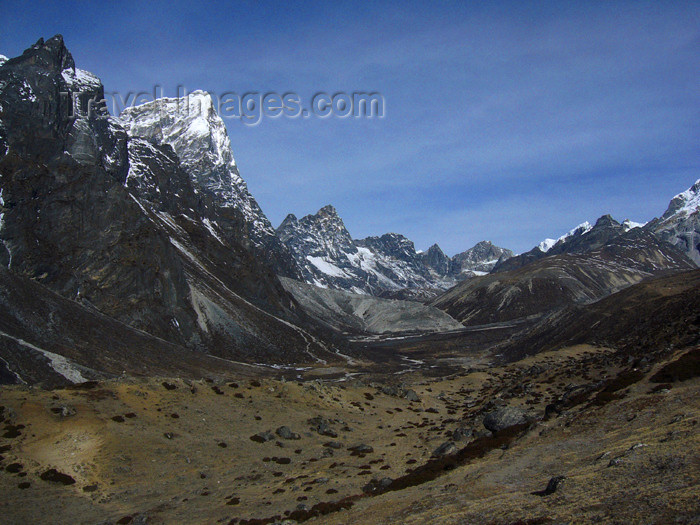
<point>614,462</point>
<point>262,437</point>
<point>375,485</point>
<point>390,390</point>
<point>462,434</point>
<point>411,396</point>
<point>57,477</point>
<point>551,410</point>
<point>168,386</point>
<point>551,486</point>
<point>14,468</point>
<point>360,449</point>
<point>322,426</point>
<point>63,411</point>
<point>286,433</point>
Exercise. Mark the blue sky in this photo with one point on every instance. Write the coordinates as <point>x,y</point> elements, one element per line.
<point>507,121</point>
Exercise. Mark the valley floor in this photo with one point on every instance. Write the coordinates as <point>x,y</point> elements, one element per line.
<point>165,450</point>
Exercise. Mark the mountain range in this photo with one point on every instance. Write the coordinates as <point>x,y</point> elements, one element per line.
<point>141,225</point>
<point>385,266</point>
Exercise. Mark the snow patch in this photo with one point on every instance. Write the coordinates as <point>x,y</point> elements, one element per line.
<point>326,267</point>
<point>60,364</point>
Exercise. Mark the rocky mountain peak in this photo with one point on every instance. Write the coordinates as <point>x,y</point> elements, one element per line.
<point>480,258</point>
<point>128,224</point>
<point>606,221</point>
<point>435,259</point>
<point>196,133</point>
<point>51,54</point>
<point>327,211</point>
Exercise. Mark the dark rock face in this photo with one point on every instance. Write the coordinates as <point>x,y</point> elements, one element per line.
<point>67,220</point>
<point>436,260</point>
<point>123,225</point>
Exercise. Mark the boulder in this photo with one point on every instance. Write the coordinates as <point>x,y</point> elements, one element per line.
<point>504,417</point>
<point>446,449</point>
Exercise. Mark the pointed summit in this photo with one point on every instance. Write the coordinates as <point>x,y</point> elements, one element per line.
<point>482,257</point>
<point>50,54</point>
<point>196,133</point>
<point>328,211</point>
<point>436,260</point>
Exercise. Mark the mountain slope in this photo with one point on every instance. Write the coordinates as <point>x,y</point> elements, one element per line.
<point>647,317</point>
<point>364,314</point>
<point>560,280</point>
<point>582,239</point>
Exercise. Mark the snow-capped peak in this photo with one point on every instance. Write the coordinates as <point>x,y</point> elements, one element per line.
<point>197,134</point>
<point>581,229</point>
<point>3,59</point>
<point>685,203</point>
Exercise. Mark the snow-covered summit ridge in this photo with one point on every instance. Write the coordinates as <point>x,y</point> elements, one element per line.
<point>685,203</point>
<point>331,258</point>
<point>3,59</point>
<point>581,229</point>
<point>197,134</point>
